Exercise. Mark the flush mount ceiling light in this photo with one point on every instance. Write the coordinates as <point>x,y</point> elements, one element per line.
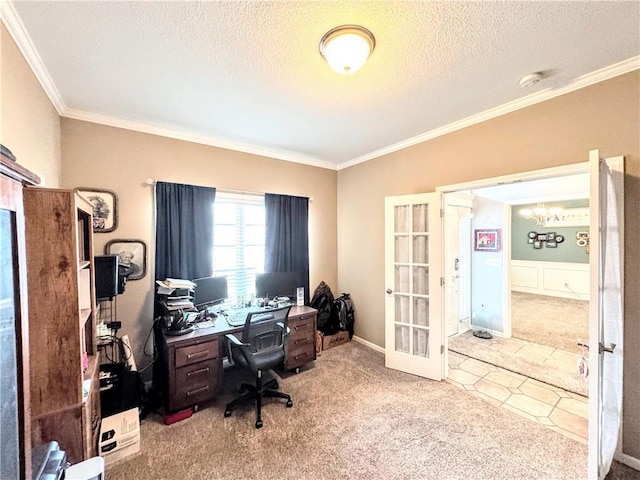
<point>347,47</point>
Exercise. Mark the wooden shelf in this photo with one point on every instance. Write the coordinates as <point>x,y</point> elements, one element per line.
<point>62,312</point>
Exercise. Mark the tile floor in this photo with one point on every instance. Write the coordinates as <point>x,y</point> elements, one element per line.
<point>562,411</point>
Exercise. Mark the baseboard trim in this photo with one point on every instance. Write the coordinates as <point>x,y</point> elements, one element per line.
<point>628,460</point>
<point>366,343</point>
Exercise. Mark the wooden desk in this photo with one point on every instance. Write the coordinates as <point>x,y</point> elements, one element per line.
<point>190,366</point>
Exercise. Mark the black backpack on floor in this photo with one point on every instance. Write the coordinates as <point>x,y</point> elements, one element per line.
<point>323,302</point>
<point>343,306</point>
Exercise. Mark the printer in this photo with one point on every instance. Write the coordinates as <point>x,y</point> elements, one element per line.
<point>119,435</point>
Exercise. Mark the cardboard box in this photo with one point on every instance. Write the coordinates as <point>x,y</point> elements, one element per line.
<point>119,436</point>
<point>330,341</point>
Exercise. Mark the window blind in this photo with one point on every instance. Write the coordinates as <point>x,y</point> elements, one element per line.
<point>239,240</point>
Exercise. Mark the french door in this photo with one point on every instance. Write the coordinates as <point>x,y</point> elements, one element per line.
<point>414,333</point>
<point>606,246</point>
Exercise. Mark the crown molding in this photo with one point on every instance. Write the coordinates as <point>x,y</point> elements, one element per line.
<point>592,78</point>
<point>16,29</point>
<point>14,25</point>
<point>194,138</point>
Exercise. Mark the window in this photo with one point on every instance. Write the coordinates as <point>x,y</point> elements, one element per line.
<point>239,240</point>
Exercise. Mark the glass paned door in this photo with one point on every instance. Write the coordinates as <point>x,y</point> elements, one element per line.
<point>413,323</point>
<point>9,371</point>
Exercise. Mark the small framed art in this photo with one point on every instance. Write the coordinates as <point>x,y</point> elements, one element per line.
<point>132,257</point>
<point>105,208</point>
<point>487,240</point>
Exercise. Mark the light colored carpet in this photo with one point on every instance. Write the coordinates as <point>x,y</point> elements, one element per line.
<point>524,358</point>
<point>354,419</point>
<point>553,321</point>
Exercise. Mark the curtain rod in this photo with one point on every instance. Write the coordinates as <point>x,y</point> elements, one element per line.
<point>151,182</point>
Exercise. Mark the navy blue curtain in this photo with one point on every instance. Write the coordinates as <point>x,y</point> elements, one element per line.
<point>184,231</point>
<point>287,237</point>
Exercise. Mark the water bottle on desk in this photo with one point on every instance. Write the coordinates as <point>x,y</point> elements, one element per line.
<point>300,296</point>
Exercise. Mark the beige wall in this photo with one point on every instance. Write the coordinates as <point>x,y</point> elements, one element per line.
<point>558,132</point>
<point>561,131</point>
<point>121,160</point>
<point>29,123</point>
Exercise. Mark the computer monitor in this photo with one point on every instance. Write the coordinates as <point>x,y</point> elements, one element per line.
<point>209,290</point>
<point>277,284</point>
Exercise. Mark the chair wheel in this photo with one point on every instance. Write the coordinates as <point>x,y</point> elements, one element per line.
<point>227,413</point>
<point>259,424</point>
<point>289,403</point>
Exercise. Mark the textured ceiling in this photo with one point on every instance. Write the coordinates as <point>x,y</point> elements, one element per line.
<point>248,76</point>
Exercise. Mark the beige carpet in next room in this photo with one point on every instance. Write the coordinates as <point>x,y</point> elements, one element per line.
<point>552,321</point>
<point>355,419</point>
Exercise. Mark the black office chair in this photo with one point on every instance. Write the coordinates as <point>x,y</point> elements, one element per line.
<point>261,348</point>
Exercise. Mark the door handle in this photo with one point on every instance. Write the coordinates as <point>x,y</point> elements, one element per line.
<point>389,291</point>
<point>602,348</point>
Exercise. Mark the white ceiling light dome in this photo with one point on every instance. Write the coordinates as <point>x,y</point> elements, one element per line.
<point>346,48</point>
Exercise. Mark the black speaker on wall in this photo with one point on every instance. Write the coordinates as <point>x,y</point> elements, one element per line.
<point>108,282</point>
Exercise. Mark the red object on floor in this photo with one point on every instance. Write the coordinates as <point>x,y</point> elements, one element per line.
<point>177,416</point>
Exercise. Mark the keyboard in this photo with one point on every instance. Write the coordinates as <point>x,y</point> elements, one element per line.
<point>237,318</point>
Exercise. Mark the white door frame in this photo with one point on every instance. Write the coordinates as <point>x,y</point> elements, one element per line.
<point>577,168</point>
<point>571,169</point>
<point>453,200</point>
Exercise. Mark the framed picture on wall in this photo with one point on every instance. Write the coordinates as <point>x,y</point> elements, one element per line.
<point>105,208</point>
<point>132,257</point>
<point>487,240</point>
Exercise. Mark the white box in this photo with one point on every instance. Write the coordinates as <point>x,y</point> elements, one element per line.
<point>119,436</point>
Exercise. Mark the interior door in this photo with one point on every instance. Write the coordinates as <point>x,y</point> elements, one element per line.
<point>414,334</point>
<point>606,310</point>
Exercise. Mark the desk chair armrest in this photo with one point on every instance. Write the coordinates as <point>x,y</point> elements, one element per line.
<point>286,330</point>
<point>232,339</point>
<point>235,340</point>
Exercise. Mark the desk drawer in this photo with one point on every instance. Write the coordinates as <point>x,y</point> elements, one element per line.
<point>301,340</point>
<point>300,356</point>
<point>196,353</point>
<point>302,325</point>
<point>196,383</point>
<point>301,349</point>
